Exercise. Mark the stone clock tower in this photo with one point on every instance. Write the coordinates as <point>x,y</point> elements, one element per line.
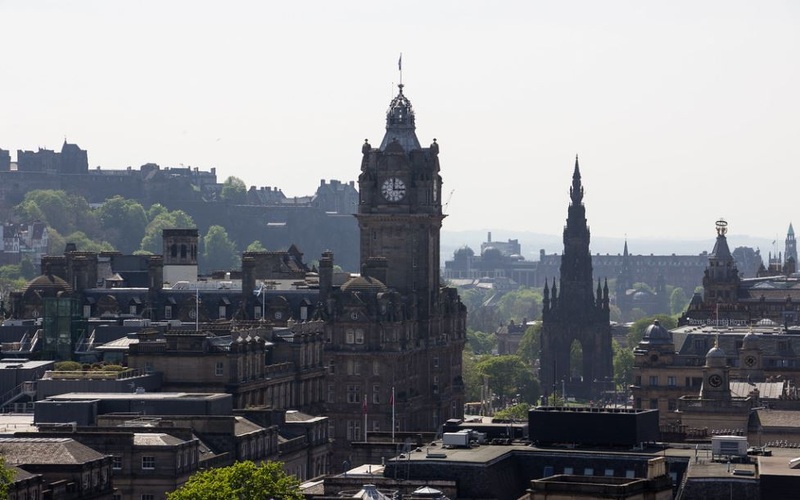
<point>400,209</point>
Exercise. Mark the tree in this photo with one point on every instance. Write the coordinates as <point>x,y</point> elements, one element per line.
<point>517,412</point>
<point>255,246</point>
<point>481,343</point>
<point>530,344</point>
<point>242,480</point>
<point>84,244</point>
<point>623,364</point>
<point>64,212</point>
<point>677,301</point>
<point>519,305</point>
<point>509,375</point>
<point>473,380</point>
<point>178,219</point>
<point>234,191</point>
<point>220,252</point>
<point>6,477</point>
<point>123,223</point>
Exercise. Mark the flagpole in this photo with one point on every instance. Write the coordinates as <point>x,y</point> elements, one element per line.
<point>393,414</point>
<point>365,417</point>
<point>400,68</point>
<point>197,308</point>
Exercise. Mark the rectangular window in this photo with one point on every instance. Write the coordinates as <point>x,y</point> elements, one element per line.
<point>672,381</point>
<point>654,380</point>
<point>116,462</point>
<point>148,462</point>
<point>588,471</point>
<point>87,311</point>
<point>354,430</point>
<point>609,472</point>
<point>376,394</point>
<point>353,393</point>
<point>436,361</point>
<point>167,312</point>
<point>568,470</point>
<point>349,336</point>
<point>654,404</point>
<point>132,309</point>
<point>353,367</point>
<point>219,369</point>
<point>331,393</point>
<point>147,496</point>
<point>257,314</point>
<point>376,368</point>
<point>331,367</point>
<point>359,336</point>
<point>672,404</point>
<point>222,312</point>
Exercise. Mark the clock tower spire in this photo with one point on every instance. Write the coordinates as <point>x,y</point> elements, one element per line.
<point>400,209</point>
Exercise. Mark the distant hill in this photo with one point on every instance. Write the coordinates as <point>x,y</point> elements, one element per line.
<point>531,243</point>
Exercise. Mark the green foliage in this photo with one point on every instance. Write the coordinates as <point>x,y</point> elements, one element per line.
<point>55,242</point>
<point>678,301</point>
<point>123,223</point>
<point>509,375</point>
<point>519,305</point>
<point>220,252</point>
<point>6,477</point>
<point>66,213</point>
<point>623,364</point>
<point>177,219</point>
<point>516,412</point>
<point>473,380</point>
<point>242,480</point>
<point>255,246</point>
<point>234,191</point>
<point>68,366</point>
<point>530,344</point>
<point>638,327</point>
<point>86,244</point>
<point>576,358</point>
<point>481,343</point>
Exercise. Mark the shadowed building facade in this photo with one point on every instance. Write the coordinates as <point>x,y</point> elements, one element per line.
<point>577,313</point>
<point>394,328</point>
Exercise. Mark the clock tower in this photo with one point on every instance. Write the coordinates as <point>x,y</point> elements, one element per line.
<point>400,209</point>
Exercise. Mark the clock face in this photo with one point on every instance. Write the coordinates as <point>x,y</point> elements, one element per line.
<point>750,360</point>
<point>715,381</point>
<point>393,189</point>
<point>278,315</point>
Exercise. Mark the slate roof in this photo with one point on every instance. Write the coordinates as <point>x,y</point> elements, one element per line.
<point>243,426</point>
<point>62,451</point>
<point>155,439</point>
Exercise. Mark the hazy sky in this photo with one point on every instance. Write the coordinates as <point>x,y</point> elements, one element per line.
<point>682,111</point>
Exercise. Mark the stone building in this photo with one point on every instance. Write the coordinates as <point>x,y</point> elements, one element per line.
<point>576,314</point>
<point>395,335</point>
<point>730,299</point>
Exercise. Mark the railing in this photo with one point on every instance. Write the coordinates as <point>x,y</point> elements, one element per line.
<point>27,388</point>
<point>94,374</point>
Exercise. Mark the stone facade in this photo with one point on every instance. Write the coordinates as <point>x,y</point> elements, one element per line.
<point>395,335</point>
<point>576,314</point>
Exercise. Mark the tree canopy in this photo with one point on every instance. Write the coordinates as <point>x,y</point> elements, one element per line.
<point>242,480</point>
<point>123,221</point>
<point>220,252</point>
<point>234,191</point>
<point>509,375</point>
<point>6,477</point>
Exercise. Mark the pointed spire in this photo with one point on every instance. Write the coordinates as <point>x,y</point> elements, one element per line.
<point>625,251</point>
<point>791,230</point>
<point>576,191</point>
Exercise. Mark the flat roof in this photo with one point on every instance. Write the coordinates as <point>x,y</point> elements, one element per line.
<point>88,396</point>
